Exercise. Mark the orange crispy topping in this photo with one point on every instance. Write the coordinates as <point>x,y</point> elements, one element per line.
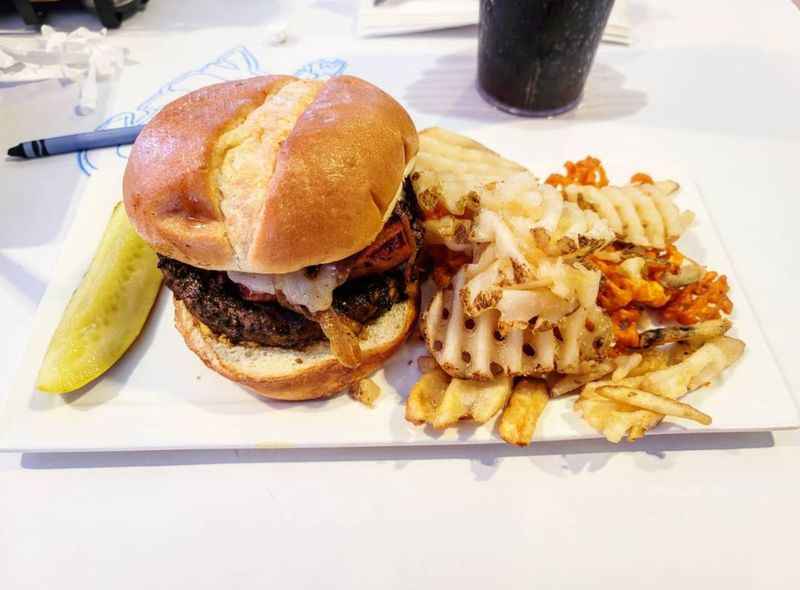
<point>669,260</point>
<point>616,290</point>
<point>641,178</point>
<point>625,327</point>
<point>651,294</point>
<point>588,171</point>
<point>704,300</point>
<point>619,290</point>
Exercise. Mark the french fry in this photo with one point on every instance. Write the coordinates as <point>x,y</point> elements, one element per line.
<point>568,383</point>
<point>680,351</point>
<point>698,369</point>
<point>518,421</point>
<point>479,400</point>
<point>626,364</point>
<point>652,360</point>
<point>440,401</point>
<point>636,432</point>
<point>426,396</point>
<point>702,332</point>
<point>365,391</point>
<point>615,419</point>
<point>654,403</point>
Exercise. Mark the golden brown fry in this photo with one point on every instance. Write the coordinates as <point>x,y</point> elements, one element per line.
<point>703,332</point>
<point>654,403</point>
<point>698,369</point>
<point>441,402</point>
<point>569,383</point>
<point>518,421</point>
<point>615,419</point>
<point>637,431</point>
<point>479,400</point>
<point>652,360</point>
<point>625,364</point>
<point>680,351</point>
<point>426,396</point>
<point>365,391</point>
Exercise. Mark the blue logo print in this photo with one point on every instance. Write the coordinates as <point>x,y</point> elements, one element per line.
<point>321,69</point>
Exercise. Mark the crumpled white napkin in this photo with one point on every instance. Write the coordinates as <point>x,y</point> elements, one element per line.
<point>81,56</point>
<point>395,17</point>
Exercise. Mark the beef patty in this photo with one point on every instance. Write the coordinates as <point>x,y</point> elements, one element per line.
<point>216,301</point>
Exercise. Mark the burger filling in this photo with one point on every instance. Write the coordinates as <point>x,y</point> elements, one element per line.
<point>327,302</point>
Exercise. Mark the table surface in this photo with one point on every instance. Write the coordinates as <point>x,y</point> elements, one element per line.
<point>718,83</point>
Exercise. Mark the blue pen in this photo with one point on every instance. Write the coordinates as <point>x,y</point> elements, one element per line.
<point>75,143</point>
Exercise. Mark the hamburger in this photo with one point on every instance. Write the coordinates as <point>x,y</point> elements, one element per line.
<point>284,228</point>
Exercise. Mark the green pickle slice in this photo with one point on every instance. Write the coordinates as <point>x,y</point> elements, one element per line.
<point>107,311</point>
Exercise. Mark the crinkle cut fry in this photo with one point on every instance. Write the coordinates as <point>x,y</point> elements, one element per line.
<point>640,214</point>
<point>469,348</point>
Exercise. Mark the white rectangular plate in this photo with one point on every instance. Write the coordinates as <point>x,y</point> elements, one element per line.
<point>160,396</point>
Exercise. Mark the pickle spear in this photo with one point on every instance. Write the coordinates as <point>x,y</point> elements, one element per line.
<point>107,311</point>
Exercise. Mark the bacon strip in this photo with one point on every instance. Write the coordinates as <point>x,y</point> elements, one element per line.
<point>392,247</point>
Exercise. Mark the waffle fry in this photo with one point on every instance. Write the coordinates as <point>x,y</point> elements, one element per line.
<point>640,214</point>
<point>469,348</point>
<point>477,348</point>
<point>451,167</point>
<point>525,205</point>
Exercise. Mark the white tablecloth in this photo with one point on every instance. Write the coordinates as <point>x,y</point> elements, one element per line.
<point>716,82</point>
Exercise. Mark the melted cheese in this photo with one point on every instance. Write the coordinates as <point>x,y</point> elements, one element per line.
<point>316,294</point>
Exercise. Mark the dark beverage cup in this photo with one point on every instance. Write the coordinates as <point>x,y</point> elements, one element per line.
<point>534,55</point>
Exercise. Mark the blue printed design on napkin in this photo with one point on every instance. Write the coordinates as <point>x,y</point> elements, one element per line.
<point>321,69</point>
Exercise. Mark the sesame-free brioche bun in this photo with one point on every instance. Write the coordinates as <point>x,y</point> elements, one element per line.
<point>296,375</point>
<point>270,174</point>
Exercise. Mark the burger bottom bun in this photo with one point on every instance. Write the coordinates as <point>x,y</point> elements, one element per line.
<point>296,375</point>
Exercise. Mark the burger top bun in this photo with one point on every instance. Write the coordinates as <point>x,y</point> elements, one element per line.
<point>270,174</point>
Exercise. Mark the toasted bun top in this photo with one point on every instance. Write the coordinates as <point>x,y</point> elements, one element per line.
<point>270,174</point>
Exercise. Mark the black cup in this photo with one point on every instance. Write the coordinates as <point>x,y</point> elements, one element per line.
<point>534,55</point>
